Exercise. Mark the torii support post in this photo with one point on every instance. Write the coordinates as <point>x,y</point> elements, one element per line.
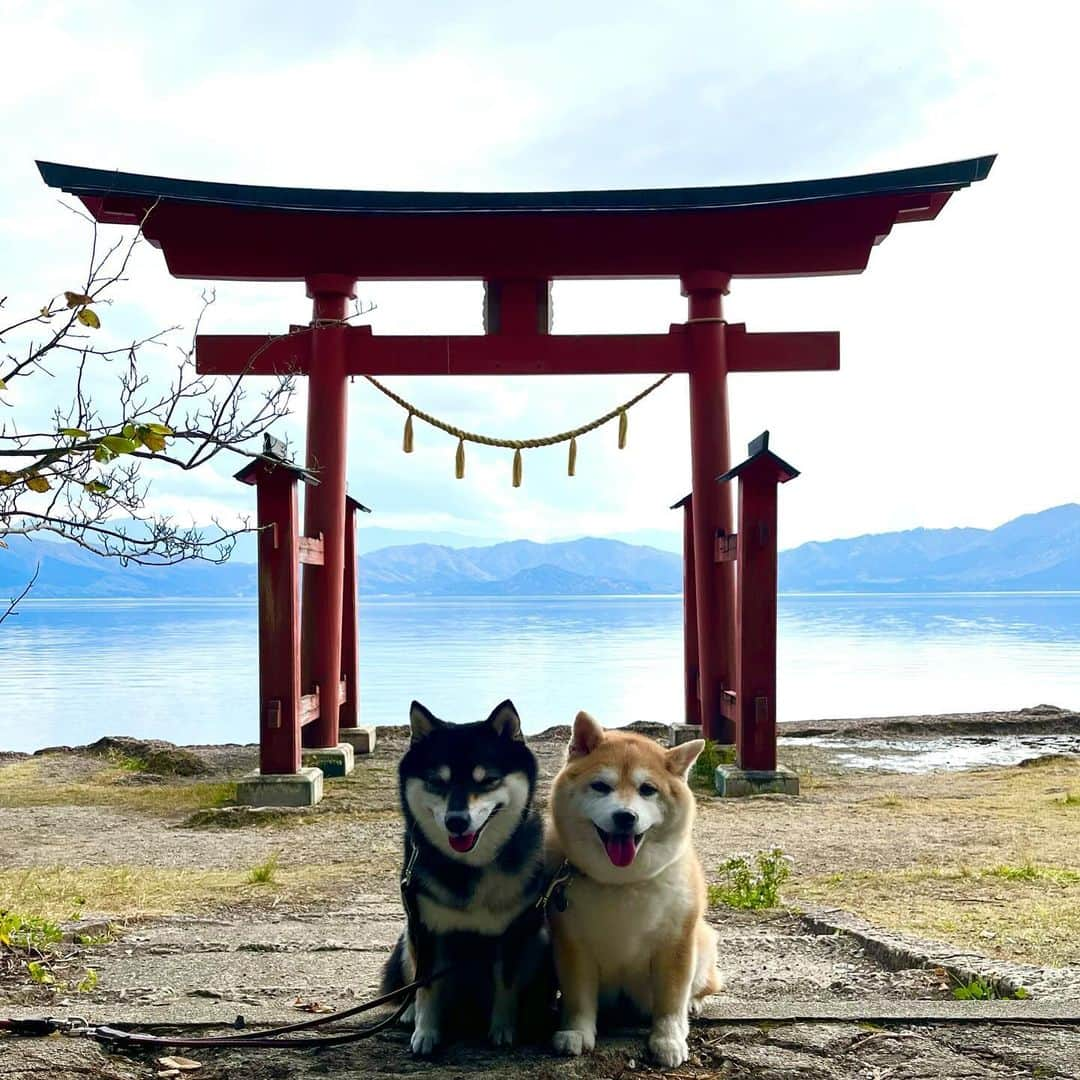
<point>756,770</point>
<point>280,780</point>
<point>690,728</point>
<point>324,517</point>
<point>714,582</point>
<point>361,737</point>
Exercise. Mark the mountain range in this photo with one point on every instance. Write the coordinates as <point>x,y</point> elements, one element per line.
<point>1034,552</point>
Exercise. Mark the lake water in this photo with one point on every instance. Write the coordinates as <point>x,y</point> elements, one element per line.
<point>72,671</point>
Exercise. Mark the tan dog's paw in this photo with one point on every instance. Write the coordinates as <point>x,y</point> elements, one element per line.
<point>668,1050</point>
<point>573,1043</point>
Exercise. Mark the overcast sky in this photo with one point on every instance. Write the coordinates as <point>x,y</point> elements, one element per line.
<point>957,398</point>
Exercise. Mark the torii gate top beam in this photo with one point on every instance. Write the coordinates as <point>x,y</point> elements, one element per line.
<point>255,233</point>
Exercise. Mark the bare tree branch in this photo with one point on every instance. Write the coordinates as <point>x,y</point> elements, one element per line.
<point>15,600</point>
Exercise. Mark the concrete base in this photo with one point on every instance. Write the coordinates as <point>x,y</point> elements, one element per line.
<point>361,739</point>
<point>680,733</point>
<point>734,783</point>
<point>332,760</point>
<point>303,788</point>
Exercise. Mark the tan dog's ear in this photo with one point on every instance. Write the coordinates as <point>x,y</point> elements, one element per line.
<point>587,736</point>
<point>681,758</point>
<point>505,720</point>
<point>422,722</point>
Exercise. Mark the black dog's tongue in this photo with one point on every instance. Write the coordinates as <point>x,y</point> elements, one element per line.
<point>463,842</point>
<point>620,848</point>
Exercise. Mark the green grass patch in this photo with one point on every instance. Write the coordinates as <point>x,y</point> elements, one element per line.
<point>703,773</point>
<point>265,872</point>
<point>1072,798</point>
<point>751,882</point>
<point>126,762</point>
<point>1029,871</point>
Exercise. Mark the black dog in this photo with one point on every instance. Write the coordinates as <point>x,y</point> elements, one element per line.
<point>474,843</point>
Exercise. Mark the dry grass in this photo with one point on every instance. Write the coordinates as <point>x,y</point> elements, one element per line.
<point>1028,913</point>
<point>987,859</point>
<point>32,783</point>
<point>58,893</point>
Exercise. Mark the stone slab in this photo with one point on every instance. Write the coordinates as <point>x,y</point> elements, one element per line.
<point>683,733</point>
<point>361,739</point>
<point>303,788</point>
<point>734,783</point>
<point>334,761</point>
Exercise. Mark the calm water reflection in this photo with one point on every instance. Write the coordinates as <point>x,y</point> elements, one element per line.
<point>185,670</point>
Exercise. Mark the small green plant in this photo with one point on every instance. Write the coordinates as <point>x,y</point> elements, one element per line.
<point>981,989</point>
<point>264,873</point>
<point>1072,798</point>
<point>126,762</point>
<point>27,932</point>
<point>40,973</point>
<point>752,883</point>
<point>88,983</point>
<point>704,769</point>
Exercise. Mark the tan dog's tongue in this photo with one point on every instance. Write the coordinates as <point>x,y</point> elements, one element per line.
<point>620,849</point>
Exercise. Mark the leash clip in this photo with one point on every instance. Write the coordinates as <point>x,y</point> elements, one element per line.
<point>407,873</point>
<point>556,890</point>
<point>74,1026</point>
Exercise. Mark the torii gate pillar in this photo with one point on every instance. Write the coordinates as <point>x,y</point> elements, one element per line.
<point>324,505</point>
<point>710,457</point>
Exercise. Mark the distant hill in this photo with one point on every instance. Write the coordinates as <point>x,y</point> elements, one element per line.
<point>589,566</point>
<point>1033,552</point>
<point>517,568</point>
<point>68,570</point>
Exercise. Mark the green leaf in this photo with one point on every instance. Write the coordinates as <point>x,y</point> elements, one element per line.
<point>89,318</point>
<point>96,487</point>
<point>73,432</point>
<point>3,385</point>
<point>128,431</point>
<point>119,444</point>
<point>103,453</point>
<point>160,429</point>
<point>39,973</point>
<point>37,483</point>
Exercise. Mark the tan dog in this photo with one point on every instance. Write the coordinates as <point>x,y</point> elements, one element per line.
<point>632,926</point>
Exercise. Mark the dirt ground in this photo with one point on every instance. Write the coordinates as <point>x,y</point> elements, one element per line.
<point>159,869</point>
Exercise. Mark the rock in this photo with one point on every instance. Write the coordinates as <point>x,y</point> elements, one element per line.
<point>153,756</point>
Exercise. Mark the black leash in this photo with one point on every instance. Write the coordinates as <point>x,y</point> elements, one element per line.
<point>272,1038</point>
<point>268,1038</point>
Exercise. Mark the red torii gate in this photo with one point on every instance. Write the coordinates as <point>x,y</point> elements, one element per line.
<point>517,244</point>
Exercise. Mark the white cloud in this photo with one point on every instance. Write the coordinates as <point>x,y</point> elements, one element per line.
<point>955,402</point>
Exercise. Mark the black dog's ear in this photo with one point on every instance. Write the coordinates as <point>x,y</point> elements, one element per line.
<point>505,720</point>
<point>422,722</point>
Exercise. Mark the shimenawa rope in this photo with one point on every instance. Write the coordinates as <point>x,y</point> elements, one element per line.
<point>517,445</point>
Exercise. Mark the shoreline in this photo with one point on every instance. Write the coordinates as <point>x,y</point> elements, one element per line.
<point>1035,720</point>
